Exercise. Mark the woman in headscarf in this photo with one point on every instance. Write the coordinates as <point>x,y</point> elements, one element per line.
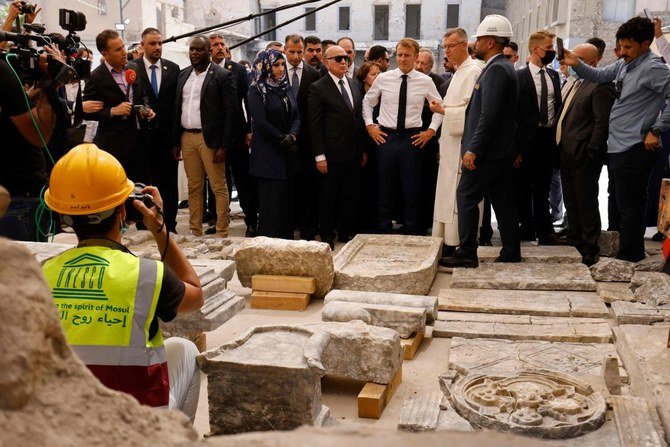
<point>274,154</point>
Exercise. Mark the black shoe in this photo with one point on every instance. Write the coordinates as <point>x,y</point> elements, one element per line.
<point>550,239</point>
<point>183,204</point>
<point>209,218</point>
<point>459,261</point>
<point>501,259</point>
<point>658,237</point>
<point>527,237</point>
<point>251,232</point>
<point>589,260</point>
<point>486,243</point>
<point>210,230</point>
<point>330,242</point>
<point>448,250</point>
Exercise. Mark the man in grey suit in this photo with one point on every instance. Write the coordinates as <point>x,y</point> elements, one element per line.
<point>488,149</point>
<point>581,135</point>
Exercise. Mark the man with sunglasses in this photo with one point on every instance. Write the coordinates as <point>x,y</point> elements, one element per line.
<point>380,55</point>
<point>581,136</point>
<point>642,84</point>
<point>511,52</point>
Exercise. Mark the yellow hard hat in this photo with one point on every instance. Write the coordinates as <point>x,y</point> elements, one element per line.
<point>87,180</point>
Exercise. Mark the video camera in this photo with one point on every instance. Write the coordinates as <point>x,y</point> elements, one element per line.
<point>25,58</point>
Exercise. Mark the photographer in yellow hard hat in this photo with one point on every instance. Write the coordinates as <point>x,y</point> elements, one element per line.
<point>109,300</point>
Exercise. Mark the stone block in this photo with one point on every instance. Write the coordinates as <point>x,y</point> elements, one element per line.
<point>609,243</point>
<point>523,302</point>
<point>652,263</point>
<point>639,313</point>
<point>225,269</point>
<point>206,275</point>
<point>524,276</point>
<point>663,223</point>
<point>610,269</point>
<point>646,356</point>
<point>610,292</point>
<point>552,254</point>
<point>429,303</point>
<point>404,320</point>
<point>270,377</point>
<point>655,291</point>
<point>388,263</point>
<point>420,413</point>
<point>267,256</point>
<point>634,422</point>
<point>522,327</point>
<point>217,309</point>
<point>640,278</point>
<point>610,374</point>
<point>43,251</point>
<point>213,288</point>
<point>582,359</point>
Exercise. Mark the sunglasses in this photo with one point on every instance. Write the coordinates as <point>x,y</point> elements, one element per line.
<point>508,56</point>
<point>339,59</point>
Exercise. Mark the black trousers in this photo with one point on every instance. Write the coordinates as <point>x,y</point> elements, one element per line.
<point>495,179</point>
<point>276,207</point>
<point>307,199</point>
<point>368,202</point>
<point>429,170</point>
<point>533,185</point>
<point>580,195</point>
<point>397,153</point>
<point>631,173</point>
<point>237,164</point>
<point>161,172</point>
<point>486,230</point>
<point>339,191</point>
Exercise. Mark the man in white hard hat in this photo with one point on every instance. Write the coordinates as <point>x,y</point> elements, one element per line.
<point>488,148</point>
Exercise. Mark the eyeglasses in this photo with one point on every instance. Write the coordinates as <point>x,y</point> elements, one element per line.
<point>339,59</point>
<point>453,45</point>
<point>508,56</point>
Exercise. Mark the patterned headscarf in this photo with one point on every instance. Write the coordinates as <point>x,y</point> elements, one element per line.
<point>262,77</point>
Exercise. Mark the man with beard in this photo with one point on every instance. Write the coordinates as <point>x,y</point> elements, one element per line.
<point>314,54</point>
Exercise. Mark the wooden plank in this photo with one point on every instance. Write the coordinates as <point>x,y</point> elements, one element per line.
<point>374,397</point>
<point>634,422</point>
<point>277,283</point>
<point>411,345</point>
<point>279,300</point>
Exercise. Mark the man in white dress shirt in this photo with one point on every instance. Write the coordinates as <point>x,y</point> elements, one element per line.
<point>398,135</point>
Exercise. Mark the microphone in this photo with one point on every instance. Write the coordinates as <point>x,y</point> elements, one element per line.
<point>131,77</point>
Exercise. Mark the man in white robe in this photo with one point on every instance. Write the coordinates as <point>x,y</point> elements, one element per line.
<point>453,107</point>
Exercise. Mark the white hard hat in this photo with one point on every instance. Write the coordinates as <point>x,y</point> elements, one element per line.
<point>495,25</point>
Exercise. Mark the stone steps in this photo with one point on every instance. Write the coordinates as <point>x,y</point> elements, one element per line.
<point>524,276</point>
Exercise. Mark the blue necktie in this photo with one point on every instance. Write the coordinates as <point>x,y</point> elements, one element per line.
<point>154,80</point>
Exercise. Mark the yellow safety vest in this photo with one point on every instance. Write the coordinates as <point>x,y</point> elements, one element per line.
<point>106,299</point>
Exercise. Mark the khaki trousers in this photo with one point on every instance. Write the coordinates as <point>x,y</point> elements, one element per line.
<point>198,161</point>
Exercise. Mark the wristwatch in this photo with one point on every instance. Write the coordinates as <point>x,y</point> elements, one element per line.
<point>655,131</point>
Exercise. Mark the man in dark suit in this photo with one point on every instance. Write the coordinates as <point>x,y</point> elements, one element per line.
<point>336,129</point>
<point>539,104</point>
<point>205,109</point>
<point>301,76</point>
<point>238,156</point>
<point>488,149</point>
<point>158,77</point>
<point>118,120</point>
<point>581,135</point>
<point>314,54</point>
<point>350,47</point>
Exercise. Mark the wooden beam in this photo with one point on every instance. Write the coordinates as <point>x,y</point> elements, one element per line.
<point>374,397</point>
<point>279,300</point>
<point>411,345</point>
<point>276,283</point>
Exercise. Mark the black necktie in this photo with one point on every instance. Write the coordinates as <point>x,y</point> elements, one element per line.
<point>544,97</point>
<point>347,101</point>
<point>402,104</point>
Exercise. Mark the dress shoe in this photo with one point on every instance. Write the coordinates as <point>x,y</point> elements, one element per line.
<point>208,218</point>
<point>550,239</point>
<point>562,231</point>
<point>448,250</point>
<point>210,230</point>
<point>459,261</point>
<point>589,260</point>
<point>658,237</point>
<point>486,243</point>
<point>502,259</point>
<point>182,204</point>
<point>251,232</point>
<point>527,237</point>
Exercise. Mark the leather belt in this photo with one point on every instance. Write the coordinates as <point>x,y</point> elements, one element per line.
<point>411,130</point>
<point>193,130</point>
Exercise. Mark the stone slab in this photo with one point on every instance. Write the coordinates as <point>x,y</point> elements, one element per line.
<point>610,292</point>
<point>554,254</point>
<point>43,251</point>
<point>483,354</point>
<point>205,275</point>
<point>652,263</point>
<point>404,320</point>
<point>523,302</point>
<point>268,256</point>
<point>524,276</point>
<point>522,327</point>
<point>224,268</point>
<point>388,263</point>
<point>610,269</point>
<point>639,313</point>
<point>429,303</point>
<point>634,423</point>
<point>216,310</point>
<point>642,277</point>
<point>213,287</point>
<point>655,290</point>
<point>420,413</point>
<point>609,243</point>
<point>646,356</point>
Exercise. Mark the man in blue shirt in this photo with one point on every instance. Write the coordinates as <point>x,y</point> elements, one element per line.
<point>642,84</point>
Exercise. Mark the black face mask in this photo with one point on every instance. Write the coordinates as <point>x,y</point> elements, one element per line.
<point>549,56</point>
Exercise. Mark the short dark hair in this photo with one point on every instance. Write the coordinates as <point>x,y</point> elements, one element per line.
<point>87,231</point>
<point>149,31</point>
<point>599,44</point>
<point>104,37</point>
<point>325,42</point>
<point>376,52</point>
<point>365,69</point>
<point>353,44</point>
<point>513,45</point>
<point>639,29</point>
<point>294,38</point>
<point>312,40</point>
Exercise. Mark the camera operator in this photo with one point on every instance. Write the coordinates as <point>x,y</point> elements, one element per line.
<point>23,167</point>
<point>15,9</point>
